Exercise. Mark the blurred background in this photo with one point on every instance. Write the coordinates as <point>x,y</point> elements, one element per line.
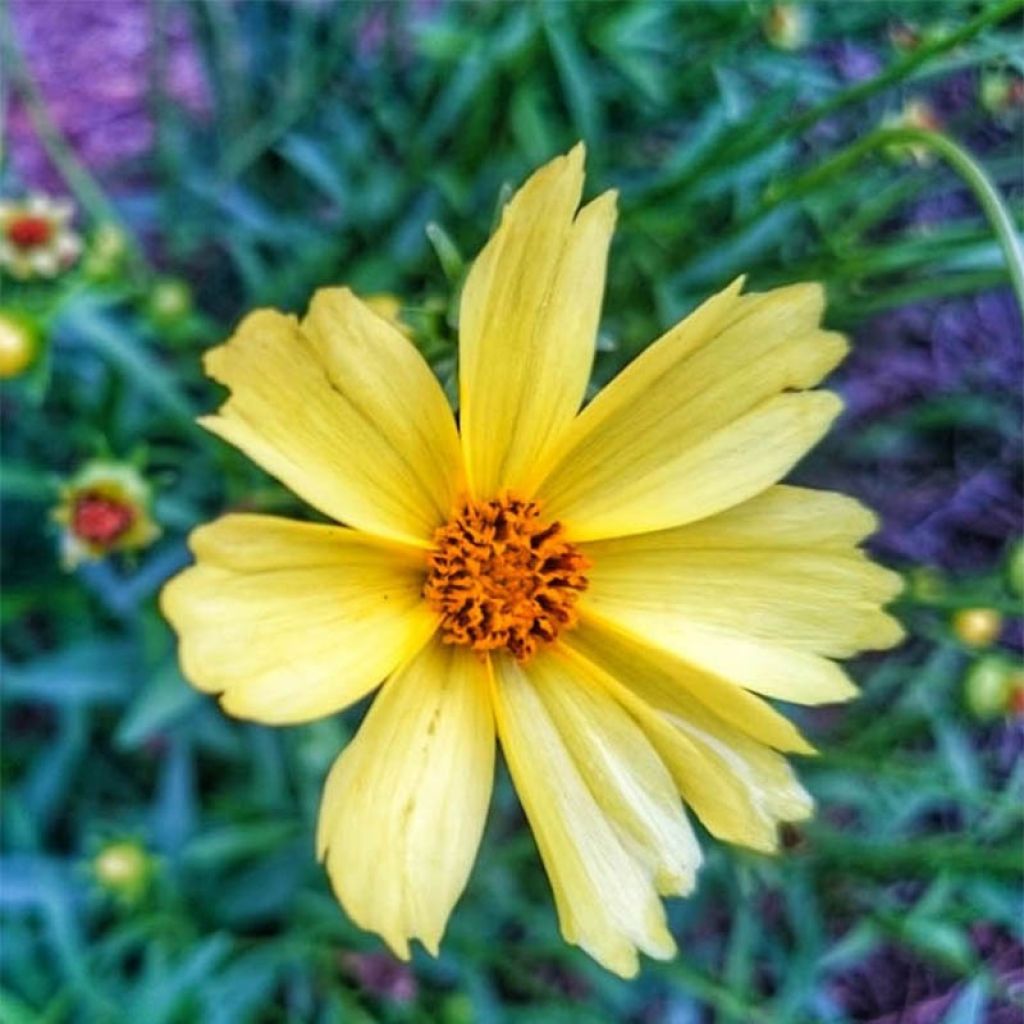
<point>168,166</point>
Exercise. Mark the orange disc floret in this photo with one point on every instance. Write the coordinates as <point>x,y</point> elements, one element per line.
<point>502,577</point>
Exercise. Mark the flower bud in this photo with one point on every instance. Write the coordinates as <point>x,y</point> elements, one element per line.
<point>992,687</point>
<point>124,869</point>
<point>904,36</point>
<point>787,26</point>
<point>926,584</point>
<point>977,627</point>
<point>20,337</point>
<point>106,253</point>
<point>916,113</point>
<point>105,507</point>
<point>169,301</point>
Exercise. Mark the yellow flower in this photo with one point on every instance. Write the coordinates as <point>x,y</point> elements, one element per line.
<point>610,592</point>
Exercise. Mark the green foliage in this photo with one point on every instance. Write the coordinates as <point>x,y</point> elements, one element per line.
<point>366,144</point>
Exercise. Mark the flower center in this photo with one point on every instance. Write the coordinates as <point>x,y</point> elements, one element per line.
<point>100,520</point>
<point>28,232</point>
<point>501,576</point>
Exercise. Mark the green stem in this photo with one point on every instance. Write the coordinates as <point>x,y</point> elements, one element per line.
<point>970,171</point>
<point>911,856</point>
<point>974,176</point>
<point>898,72</point>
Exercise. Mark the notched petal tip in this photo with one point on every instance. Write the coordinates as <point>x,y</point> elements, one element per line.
<point>258,323</point>
<point>334,301</point>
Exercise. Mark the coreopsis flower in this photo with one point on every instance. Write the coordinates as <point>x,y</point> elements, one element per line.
<point>611,592</point>
<point>104,508</point>
<point>36,238</point>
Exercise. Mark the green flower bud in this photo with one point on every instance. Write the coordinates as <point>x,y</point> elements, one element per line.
<point>124,869</point>
<point>987,687</point>
<point>106,253</point>
<point>170,300</point>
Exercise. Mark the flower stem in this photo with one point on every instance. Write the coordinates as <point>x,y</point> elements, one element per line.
<point>919,56</point>
<point>985,191</point>
<point>970,171</point>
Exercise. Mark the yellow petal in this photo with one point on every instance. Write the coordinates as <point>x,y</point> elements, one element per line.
<point>768,669</point>
<point>528,323</point>
<point>784,517</point>
<point>405,804</point>
<point>673,686</point>
<point>738,788</point>
<point>606,901</point>
<point>621,770</point>
<point>345,412</point>
<point>702,420</point>
<point>826,600</point>
<point>294,621</point>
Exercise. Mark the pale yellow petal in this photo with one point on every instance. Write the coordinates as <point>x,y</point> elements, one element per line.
<point>738,788</point>
<point>293,621</point>
<point>345,412</point>
<point>606,901</point>
<point>703,420</point>
<point>622,771</point>
<point>528,324</point>
<point>799,677</point>
<point>674,686</point>
<point>404,806</point>
<point>784,517</point>
<point>824,600</point>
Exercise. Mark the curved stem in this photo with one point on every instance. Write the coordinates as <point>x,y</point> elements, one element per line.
<point>978,181</point>
<point>970,171</point>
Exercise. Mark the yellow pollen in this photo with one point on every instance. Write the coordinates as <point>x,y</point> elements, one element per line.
<point>500,576</point>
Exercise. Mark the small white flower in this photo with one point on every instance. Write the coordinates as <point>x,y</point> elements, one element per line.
<point>36,237</point>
